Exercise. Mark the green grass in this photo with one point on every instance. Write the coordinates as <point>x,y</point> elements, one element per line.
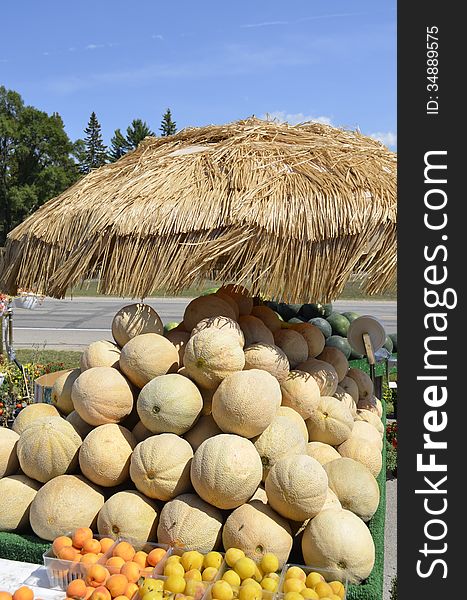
<point>69,359</point>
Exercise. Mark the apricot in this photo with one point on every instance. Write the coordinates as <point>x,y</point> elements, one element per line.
<point>114,564</point>
<point>89,592</point>
<point>116,584</point>
<point>68,553</point>
<point>141,558</point>
<point>60,542</point>
<point>155,556</point>
<point>96,576</point>
<point>23,593</point>
<point>89,559</point>
<point>5,596</point>
<point>91,546</point>
<point>124,550</point>
<point>76,589</point>
<point>80,536</point>
<point>106,544</point>
<point>131,590</point>
<point>100,593</point>
<point>131,571</point>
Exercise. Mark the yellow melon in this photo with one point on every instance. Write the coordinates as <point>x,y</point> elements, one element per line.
<point>169,404</point>
<point>48,447</point>
<point>366,433</point>
<point>354,485</point>
<point>313,337</point>
<point>179,339</point>
<point>323,453</point>
<point>81,427</point>
<point>102,353</point>
<point>301,392</point>
<point>8,458</point>
<point>257,529</point>
<point>337,359</point>
<point>223,324</point>
<point>268,316</point>
<point>211,356</point>
<point>346,400</point>
<point>63,504</point>
<point>331,422</point>
<point>332,501</point>
<point>102,395</point>
<point>17,492</point>
<point>30,413</point>
<point>129,515</point>
<point>189,522</point>
<point>367,454</point>
<point>241,296</point>
<point>204,429</point>
<point>371,418</point>
<point>338,541</point>
<point>104,457</point>
<point>293,415</point>
<point>267,358</point>
<point>205,307</point>
<point>61,391</point>
<point>135,319</point>
<point>293,344</point>
<point>296,487</point>
<point>140,432</point>
<point>160,466</point>
<point>246,402</point>
<point>255,331</point>
<point>147,356</point>
<point>226,470</point>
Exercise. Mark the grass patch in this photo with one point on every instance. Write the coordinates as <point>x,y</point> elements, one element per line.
<point>69,359</point>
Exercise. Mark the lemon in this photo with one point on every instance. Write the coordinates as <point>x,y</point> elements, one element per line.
<point>151,585</point>
<point>231,577</point>
<point>293,596</point>
<point>338,588</point>
<point>251,581</point>
<point>173,558</point>
<point>245,567</point>
<point>258,574</point>
<point>209,574</point>
<point>194,588</point>
<point>295,573</point>
<point>323,589</point>
<point>250,592</point>
<point>193,574</point>
<point>313,578</point>
<point>232,555</point>
<point>212,559</point>
<point>309,594</point>
<point>174,584</point>
<point>274,576</point>
<point>174,569</point>
<point>269,584</point>
<point>294,585</point>
<point>269,563</point>
<point>222,590</point>
<point>192,559</point>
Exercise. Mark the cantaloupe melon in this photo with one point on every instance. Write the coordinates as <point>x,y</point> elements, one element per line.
<point>338,541</point>
<point>313,337</point>
<point>267,358</point>
<point>129,515</point>
<point>226,471</point>
<point>233,305</point>
<point>102,395</point>
<point>104,456</point>
<point>179,339</point>
<point>9,463</point>
<point>255,331</point>
<point>63,504</point>
<point>346,400</point>
<point>350,387</point>
<point>367,454</point>
<point>189,522</point>
<point>301,392</point>
<point>246,402</point>
<point>293,415</point>
<point>224,325</point>
<point>371,418</point>
<point>211,356</point>
<point>371,405</point>
<point>48,447</point>
<point>31,412</point>
<point>323,453</point>
<point>16,493</point>
<point>268,316</point>
<point>147,356</point>
<point>140,432</point>
<point>257,529</point>
<point>260,495</point>
<point>205,307</point>
<point>332,501</point>
<point>354,485</point>
<point>102,353</point>
<point>61,391</point>
<point>135,319</point>
<point>379,408</point>
<point>364,383</point>
<point>204,429</point>
<point>366,433</point>
<point>296,487</point>
<point>293,344</point>
<point>241,296</point>
<point>169,404</point>
<point>324,373</point>
<point>337,359</point>
<point>281,438</point>
<point>331,422</point>
<point>160,466</point>
<point>81,427</point>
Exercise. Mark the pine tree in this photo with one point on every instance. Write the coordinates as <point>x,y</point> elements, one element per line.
<point>95,153</point>
<point>118,146</point>
<point>168,127</point>
<point>121,144</point>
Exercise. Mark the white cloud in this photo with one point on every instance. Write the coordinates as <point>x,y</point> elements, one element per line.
<point>264,24</point>
<point>388,138</point>
<point>94,46</point>
<point>302,20</point>
<point>157,36</point>
<point>294,118</point>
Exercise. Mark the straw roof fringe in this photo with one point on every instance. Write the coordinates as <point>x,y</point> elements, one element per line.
<point>287,210</point>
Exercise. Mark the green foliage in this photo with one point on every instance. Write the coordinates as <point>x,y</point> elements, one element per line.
<point>391,458</point>
<point>168,126</point>
<point>36,159</point>
<point>94,153</point>
<point>121,144</point>
<point>393,590</point>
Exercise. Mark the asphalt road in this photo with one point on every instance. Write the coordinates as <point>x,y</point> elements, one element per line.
<point>73,324</point>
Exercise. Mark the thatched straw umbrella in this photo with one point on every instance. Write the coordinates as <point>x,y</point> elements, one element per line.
<point>290,211</point>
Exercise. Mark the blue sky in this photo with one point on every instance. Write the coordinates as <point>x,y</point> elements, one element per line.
<point>210,62</point>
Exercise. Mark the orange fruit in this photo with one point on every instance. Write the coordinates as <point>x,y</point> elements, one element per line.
<point>91,546</point>
<point>96,576</point>
<point>131,590</point>
<point>60,542</point>
<point>114,564</point>
<point>68,553</point>
<point>116,584</point>
<point>5,596</point>
<point>106,543</point>
<point>89,559</point>
<point>140,558</point>
<point>124,550</point>
<point>23,593</point>
<point>131,571</point>
<point>100,593</point>
<point>80,536</point>
<point>76,589</point>
<point>155,556</point>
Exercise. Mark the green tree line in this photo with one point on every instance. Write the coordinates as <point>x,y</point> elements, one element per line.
<point>39,161</point>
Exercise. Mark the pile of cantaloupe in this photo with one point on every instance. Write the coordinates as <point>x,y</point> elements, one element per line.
<point>231,430</point>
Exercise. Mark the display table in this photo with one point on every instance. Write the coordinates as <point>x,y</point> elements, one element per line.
<point>14,574</point>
